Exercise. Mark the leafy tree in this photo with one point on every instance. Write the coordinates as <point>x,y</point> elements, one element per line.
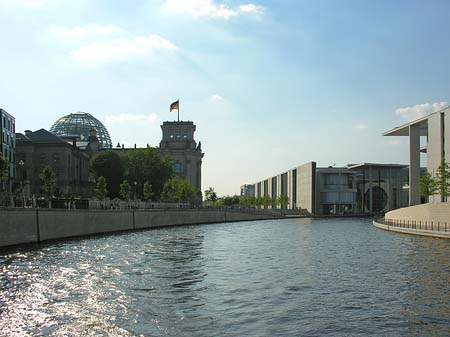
<point>266,201</point>
<point>3,176</point>
<point>258,201</point>
<point>443,179</point>
<point>231,200</point>
<point>48,181</point>
<point>101,189</point>
<point>124,190</point>
<point>283,200</point>
<point>210,195</point>
<point>108,164</point>
<point>147,191</point>
<point>428,185</point>
<point>148,164</point>
<point>3,169</point>
<point>180,190</point>
<point>219,203</point>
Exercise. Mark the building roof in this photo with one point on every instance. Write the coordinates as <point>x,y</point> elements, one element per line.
<point>44,136</point>
<point>403,130</point>
<point>366,165</point>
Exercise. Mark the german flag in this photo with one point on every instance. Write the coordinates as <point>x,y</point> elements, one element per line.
<point>175,106</point>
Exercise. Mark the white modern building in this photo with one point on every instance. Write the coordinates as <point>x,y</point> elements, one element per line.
<point>435,130</point>
<point>356,188</point>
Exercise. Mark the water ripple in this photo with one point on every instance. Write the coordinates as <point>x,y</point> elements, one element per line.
<point>273,278</point>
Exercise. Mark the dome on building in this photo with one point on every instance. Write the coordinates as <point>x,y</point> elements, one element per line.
<point>80,124</point>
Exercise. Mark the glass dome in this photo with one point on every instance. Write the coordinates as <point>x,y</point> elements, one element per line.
<point>80,124</point>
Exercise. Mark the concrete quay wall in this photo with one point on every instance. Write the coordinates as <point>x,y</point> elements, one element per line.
<point>436,234</point>
<point>22,226</point>
<point>431,212</point>
<point>432,219</point>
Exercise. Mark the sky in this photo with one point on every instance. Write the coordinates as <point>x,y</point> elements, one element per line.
<point>270,84</point>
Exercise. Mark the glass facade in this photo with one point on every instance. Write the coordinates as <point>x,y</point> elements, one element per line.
<point>81,125</point>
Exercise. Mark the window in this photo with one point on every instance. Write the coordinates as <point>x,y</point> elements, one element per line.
<point>178,168</point>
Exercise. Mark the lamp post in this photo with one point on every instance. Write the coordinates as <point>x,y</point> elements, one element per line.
<point>21,164</point>
<point>135,186</point>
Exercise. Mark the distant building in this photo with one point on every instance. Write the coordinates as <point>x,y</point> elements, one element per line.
<point>35,150</point>
<point>8,145</point>
<point>178,142</point>
<point>357,188</point>
<point>247,190</point>
<point>435,131</point>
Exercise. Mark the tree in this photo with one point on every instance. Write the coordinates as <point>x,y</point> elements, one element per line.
<point>3,175</point>
<point>48,181</point>
<point>101,189</point>
<point>210,195</point>
<point>109,165</point>
<point>258,201</point>
<point>428,185</point>
<point>3,171</point>
<point>443,179</point>
<point>148,164</point>
<point>124,190</point>
<point>147,191</point>
<point>180,190</point>
<point>266,201</point>
<point>283,200</point>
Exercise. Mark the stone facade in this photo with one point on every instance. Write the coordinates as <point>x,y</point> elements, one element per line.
<point>70,163</point>
<point>178,142</point>
<point>7,145</point>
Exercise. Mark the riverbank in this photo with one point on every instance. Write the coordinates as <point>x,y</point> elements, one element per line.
<point>403,228</point>
<point>426,219</point>
<point>27,226</point>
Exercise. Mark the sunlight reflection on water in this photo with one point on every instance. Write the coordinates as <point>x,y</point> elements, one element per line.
<point>290,277</point>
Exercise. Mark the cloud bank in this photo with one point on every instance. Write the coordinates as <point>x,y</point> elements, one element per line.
<point>410,113</point>
<point>209,8</point>
<point>119,49</point>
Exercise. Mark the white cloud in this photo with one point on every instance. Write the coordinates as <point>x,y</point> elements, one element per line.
<point>209,8</point>
<point>121,48</point>
<point>360,126</point>
<point>417,111</point>
<point>251,8</point>
<point>78,32</point>
<point>151,118</point>
<point>217,98</point>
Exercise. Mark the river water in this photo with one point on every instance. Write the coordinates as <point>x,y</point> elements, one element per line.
<point>295,277</point>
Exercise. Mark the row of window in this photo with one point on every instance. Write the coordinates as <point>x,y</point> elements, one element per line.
<point>8,154</point>
<point>9,124</point>
<point>8,139</point>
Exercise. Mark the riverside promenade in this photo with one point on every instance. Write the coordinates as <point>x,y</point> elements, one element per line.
<point>427,220</point>
<point>28,225</point>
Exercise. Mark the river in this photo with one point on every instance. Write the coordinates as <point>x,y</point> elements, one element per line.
<point>293,277</point>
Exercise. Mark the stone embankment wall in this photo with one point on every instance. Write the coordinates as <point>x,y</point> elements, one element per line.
<point>427,219</point>
<point>21,226</point>
<point>427,212</point>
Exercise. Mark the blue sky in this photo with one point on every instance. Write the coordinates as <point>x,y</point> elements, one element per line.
<point>270,84</point>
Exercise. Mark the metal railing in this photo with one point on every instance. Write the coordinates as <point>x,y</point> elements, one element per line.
<point>434,226</point>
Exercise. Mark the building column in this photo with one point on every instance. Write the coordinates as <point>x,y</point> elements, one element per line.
<point>414,165</point>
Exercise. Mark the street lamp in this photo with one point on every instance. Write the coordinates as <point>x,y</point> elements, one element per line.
<point>21,164</point>
<point>135,186</point>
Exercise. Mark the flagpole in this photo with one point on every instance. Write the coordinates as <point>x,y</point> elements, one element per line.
<point>178,110</point>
